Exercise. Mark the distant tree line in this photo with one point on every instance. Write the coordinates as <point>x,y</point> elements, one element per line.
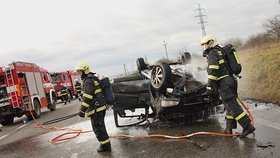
<point>270,35</point>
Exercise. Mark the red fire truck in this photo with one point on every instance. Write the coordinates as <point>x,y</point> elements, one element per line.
<point>24,86</point>
<point>67,79</point>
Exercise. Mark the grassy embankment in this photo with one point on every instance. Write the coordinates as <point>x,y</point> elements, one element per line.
<point>260,73</point>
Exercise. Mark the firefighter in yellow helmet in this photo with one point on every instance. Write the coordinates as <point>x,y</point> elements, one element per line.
<point>222,81</point>
<point>93,105</point>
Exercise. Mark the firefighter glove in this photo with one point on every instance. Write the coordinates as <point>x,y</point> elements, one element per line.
<point>82,114</point>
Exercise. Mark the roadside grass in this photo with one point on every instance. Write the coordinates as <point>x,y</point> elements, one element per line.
<point>261,73</point>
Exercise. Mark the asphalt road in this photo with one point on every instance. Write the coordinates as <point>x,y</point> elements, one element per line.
<point>24,140</point>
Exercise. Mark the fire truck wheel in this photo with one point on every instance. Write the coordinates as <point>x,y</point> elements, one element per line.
<point>37,111</point>
<point>8,120</point>
<point>53,105</point>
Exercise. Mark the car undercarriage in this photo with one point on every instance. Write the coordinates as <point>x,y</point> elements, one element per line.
<point>164,91</point>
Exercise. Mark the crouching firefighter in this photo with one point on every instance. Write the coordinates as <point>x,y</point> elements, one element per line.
<point>220,79</point>
<point>94,105</point>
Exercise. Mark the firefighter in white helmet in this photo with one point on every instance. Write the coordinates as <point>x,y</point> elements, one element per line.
<point>220,79</point>
<point>93,105</point>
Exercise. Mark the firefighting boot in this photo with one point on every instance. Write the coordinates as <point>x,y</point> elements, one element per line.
<point>104,147</point>
<point>230,124</point>
<point>248,130</point>
<point>228,131</point>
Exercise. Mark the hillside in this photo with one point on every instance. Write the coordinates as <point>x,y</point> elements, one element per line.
<point>261,73</point>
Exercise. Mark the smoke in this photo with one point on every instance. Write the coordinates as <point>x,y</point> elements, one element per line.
<point>198,73</point>
<point>197,68</point>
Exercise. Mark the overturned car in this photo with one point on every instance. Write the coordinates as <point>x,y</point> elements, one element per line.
<point>164,90</point>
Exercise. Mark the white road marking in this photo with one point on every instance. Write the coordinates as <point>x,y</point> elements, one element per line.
<point>4,136</point>
<point>75,155</point>
<point>268,123</point>
<point>20,127</point>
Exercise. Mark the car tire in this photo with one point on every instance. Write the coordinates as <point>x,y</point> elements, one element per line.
<point>161,77</point>
<point>141,65</point>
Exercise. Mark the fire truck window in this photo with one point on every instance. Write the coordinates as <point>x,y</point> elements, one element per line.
<point>65,77</point>
<point>44,77</point>
<point>54,78</point>
<point>48,76</point>
<point>2,80</point>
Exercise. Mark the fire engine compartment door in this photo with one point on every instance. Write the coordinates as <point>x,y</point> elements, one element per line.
<point>35,84</point>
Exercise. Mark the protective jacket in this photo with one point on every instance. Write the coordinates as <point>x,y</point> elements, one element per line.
<point>217,68</point>
<point>63,91</point>
<point>93,99</point>
<point>78,87</point>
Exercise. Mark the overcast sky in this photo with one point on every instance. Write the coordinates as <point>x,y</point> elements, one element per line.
<point>57,34</point>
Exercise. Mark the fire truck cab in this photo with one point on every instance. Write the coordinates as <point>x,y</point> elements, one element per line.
<point>67,79</point>
<point>23,87</point>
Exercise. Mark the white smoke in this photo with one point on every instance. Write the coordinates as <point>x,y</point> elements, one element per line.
<point>198,73</point>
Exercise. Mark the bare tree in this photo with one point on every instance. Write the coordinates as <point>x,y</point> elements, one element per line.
<point>258,40</point>
<point>273,27</point>
<point>236,42</point>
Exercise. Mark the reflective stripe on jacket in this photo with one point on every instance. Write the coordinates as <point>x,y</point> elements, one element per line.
<point>78,87</point>
<point>63,91</point>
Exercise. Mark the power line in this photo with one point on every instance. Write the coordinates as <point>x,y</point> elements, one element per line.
<point>201,20</point>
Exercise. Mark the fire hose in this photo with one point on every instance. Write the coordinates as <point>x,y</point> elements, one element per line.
<point>78,132</point>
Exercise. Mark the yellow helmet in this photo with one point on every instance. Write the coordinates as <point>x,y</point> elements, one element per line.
<point>209,41</point>
<point>83,66</point>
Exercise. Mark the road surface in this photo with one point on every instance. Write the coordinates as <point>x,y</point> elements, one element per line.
<point>24,140</point>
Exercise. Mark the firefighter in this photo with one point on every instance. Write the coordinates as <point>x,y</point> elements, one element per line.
<point>94,105</point>
<point>220,80</point>
<point>78,88</point>
<point>64,94</point>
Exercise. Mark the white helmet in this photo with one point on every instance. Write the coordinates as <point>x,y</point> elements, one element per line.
<point>208,41</point>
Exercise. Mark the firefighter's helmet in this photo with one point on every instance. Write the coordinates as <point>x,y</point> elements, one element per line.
<point>208,41</point>
<point>83,66</point>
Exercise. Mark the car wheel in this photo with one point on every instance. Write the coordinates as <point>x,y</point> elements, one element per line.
<point>161,76</point>
<point>141,65</point>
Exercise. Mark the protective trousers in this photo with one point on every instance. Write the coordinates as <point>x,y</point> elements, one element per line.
<point>228,92</point>
<point>99,129</point>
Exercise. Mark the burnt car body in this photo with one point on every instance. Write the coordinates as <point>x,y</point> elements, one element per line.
<point>164,89</point>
